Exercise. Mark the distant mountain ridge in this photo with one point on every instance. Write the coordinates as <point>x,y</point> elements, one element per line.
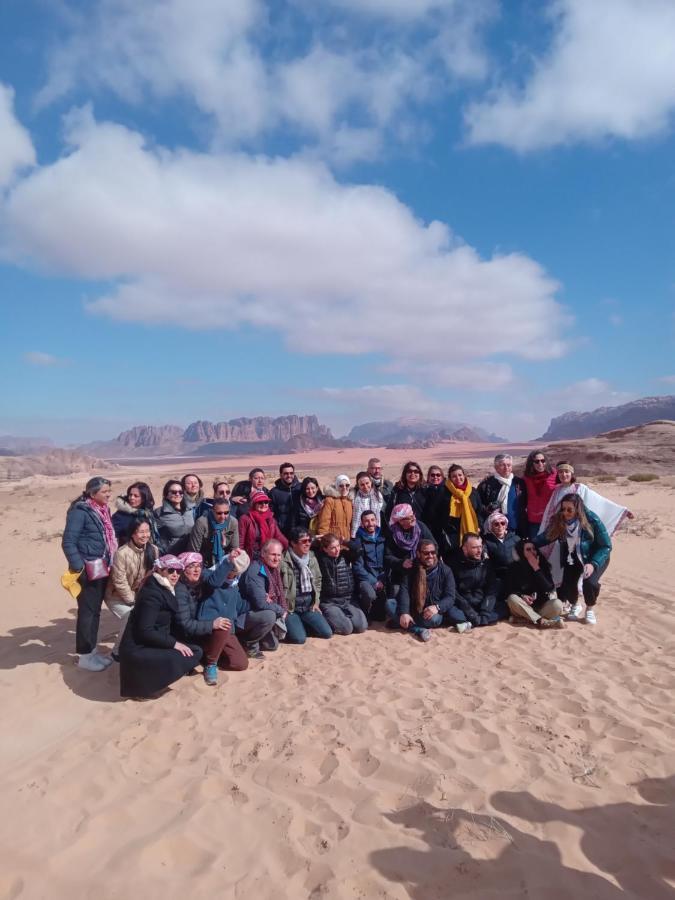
<point>410,430</point>
<point>573,425</point>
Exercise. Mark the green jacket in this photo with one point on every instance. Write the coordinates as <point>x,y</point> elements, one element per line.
<point>289,580</point>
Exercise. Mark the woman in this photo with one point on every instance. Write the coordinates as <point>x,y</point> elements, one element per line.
<point>410,489</point>
<point>405,533</point>
<point>151,655</point>
<point>500,545</point>
<point>132,564</point>
<point>221,491</point>
<point>436,503</point>
<point>193,491</point>
<point>137,504</point>
<point>531,594</point>
<point>174,520</point>
<point>336,515</point>
<point>365,498</point>
<point>465,510</point>
<point>583,551</point>
<point>210,608</point>
<point>307,504</point>
<point>89,544</point>
<point>301,578</point>
<point>540,480</point>
<point>337,588</point>
<point>258,526</point>
<point>610,514</point>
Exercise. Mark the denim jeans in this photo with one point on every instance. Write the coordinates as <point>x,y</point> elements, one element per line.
<point>303,624</point>
<point>345,619</point>
<point>418,620</point>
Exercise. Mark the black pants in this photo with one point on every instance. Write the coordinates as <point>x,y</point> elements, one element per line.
<point>88,613</point>
<point>591,586</point>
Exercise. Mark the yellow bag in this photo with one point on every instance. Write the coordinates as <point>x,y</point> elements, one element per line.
<point>70,581</point>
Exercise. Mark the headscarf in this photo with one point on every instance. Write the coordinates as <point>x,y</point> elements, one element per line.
<point>492,518</point>
<point>168,561</point>
<point>406,540</point>
<point>461,507</point>
<point>342,479</point>
<point>189,558</point>
<point>106,521</point>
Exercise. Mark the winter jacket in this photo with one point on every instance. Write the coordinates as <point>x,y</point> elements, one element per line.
<point>451,524</point>
<point>336,515</point>
<point>417,499</point>
<point>521,579</point>
<point>243,489</point>
<point>300,516</point>
<point>254,586</point>
<point>126,516</point>
<point>476,588</point>
<point>385,487</point>
<point>174,527</point>
<point>440,590</point>
<point>488,491</point>
<point>435,512</point>
<point>127,573</point>
<point>289,577</point>
<point>201,538</point>
<point>83,537</point>
<point>249,535</point>
<point>215,591</point>
<point>369,552</point>
<point>394,555</point>
<point>539,492</point>
<point>282,496</point>
<point>337,585</point>
<point>501,553</point>
<point>594,549</point>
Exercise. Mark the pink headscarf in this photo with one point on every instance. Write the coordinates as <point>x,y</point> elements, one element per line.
<point>400,511</point>
<point>189,557</point>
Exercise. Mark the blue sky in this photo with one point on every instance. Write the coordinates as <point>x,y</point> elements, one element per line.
<point>460,209</point>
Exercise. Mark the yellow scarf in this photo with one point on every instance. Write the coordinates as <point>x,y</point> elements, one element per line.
<point>461,508</point>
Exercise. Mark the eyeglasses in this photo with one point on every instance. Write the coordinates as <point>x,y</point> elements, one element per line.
<point>435,475</point>
<point>174,571</point>
<point>414,472</point>
<point>306,540</point>
<point>176,492</point>
<point>262,503</point>
<point>541,460</point>
<point>428,553</point>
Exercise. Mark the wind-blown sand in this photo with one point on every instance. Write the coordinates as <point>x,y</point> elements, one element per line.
<point>504,763</point>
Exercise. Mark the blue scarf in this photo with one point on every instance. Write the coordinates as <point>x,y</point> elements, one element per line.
<point>216,540</point>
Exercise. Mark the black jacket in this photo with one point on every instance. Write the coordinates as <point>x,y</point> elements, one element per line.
<point>282,496</point>
<point>476,585</point>
<point>522,579</point>
<point>440,590</point>
<point>451,524</point>
<point>436,506</point>
<point>395,555</point>
<point>488,491</point>
<point>417,499</point>
<point>337,584</point>
<point>243,489</point>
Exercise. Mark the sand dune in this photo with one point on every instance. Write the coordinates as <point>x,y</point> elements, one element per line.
<point>504,763</point>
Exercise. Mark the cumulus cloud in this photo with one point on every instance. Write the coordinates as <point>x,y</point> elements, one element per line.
<point>208,241</point>
<point>16,147</point>
<point>609,72</point>
<point>38,358</point>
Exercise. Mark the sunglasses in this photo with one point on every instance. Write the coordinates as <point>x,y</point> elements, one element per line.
<point>176,492</point>
<point>262,503</point>
<point>414,472</point>
<point>542,461</point>
<point>174,571</point>
<point>436,475</point>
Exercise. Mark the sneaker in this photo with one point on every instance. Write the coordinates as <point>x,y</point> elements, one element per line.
<point>575,612</point>
<point>463,627</point>
<point>106,660</point>
<point>211,674</point>
<point>590,617</point>
<point>424,635</point>
<point>255,653</point>
<point>92,662</point>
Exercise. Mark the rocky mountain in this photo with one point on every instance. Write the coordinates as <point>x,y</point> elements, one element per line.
<point>580,425</point>
<point>143,436</point>
<point>13,445</point>
<point>408,431</point>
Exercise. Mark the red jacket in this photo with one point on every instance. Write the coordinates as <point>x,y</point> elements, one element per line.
<point>249,536</point>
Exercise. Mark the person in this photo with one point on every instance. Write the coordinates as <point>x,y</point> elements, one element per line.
<point>89,545</point>
<point>215,534</point>
<point>307,504</point>
<point>261,586</point>
<point>476,587</point>
<point>151,655</point>
<point>436,504</point>
<point>540,480</point>
<point>374,469</point>
<point>301,578</point>
<point>505,491</point>
<point>427,593</point>
<point>500,546</point>
<point>530,593</point>
<point>410,489</point>
<point>242,491</point>
<point>365,498</point>
<point>464,512</point>
<point>258,525</point>
<point>336,514</point>
<point>282,496</point>
<point>583,551</point>
<point>174,520</point>
<point>221,491</point>
<point>368,567</point>
<point>131,565</point>
<point>337,588</point>
<point>610,514</point>
<point>137,503</point>
<point>193,491</point>
<point>210,608</point>
<point>405,533</point>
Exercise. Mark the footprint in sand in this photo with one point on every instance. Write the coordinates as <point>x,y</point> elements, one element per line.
<point>365,763</point>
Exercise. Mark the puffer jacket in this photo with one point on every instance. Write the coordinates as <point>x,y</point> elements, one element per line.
<point>125,516</point>
<point>83,537</point>
<point>476,587</point>
<point>290,580</point>
<point>283,496</point>
<point>337,585</point>
<point>336,515</point>
<point>127,574</point>
<point>174,527</point>
<point>222,597</point>
<point>594,548</point>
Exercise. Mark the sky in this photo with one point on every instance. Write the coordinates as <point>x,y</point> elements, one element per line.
<point>363,209</point>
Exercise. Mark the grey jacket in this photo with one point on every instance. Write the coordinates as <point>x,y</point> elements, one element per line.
<point>200,540</point>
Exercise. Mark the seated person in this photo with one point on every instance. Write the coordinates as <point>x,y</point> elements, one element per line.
<point>427,593</point>
<point>337,588</point>
<point>368,566</point>
<point>531,595</point>
<point>475,586</point>
<point>405,533</point>
<point>261,586</point>
<point>242,491</point>
<point>258,526</point>
<point>301,578</point>
<point>500,546</point>
<point>151,654</point>
<point>506,492</point>
<point>215,534</point>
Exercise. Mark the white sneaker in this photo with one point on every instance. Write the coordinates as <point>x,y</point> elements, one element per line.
<point>575,612</point>
<point>92,662</point>
<point>106,660</point>
<point>590,617</point>
<point>463,627</point>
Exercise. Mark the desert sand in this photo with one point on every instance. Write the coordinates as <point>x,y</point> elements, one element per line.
<point>504,763</point>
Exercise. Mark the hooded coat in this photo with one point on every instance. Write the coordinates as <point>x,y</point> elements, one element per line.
<point>336,515</point>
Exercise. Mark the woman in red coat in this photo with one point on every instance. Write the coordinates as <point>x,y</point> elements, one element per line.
<point>258,525</point>
<point>540,479</point>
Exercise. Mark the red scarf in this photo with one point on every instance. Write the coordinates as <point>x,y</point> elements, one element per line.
<point>263,522</point>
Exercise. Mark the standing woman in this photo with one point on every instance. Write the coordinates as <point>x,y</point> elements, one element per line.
<point>137,504</point>
<point>89,544</point>
<point>610,514</point>
<point>193,491</point>
<point>258,526</point>
<point>365,498</point>
<point>307,504</point>
<point>436,504</point>
<point>540,479</point>
<point>336,515</point>
<point>174,520</point>
<point>582,550</point>
<point>465,511</point>
<point>410,489</point>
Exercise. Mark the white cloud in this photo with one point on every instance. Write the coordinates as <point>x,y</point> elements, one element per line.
<point>667,379</point>
<point>38,358</point>
<point>610,72</point>
<point>214,241</point>
<point>383,400</point>
<point>484,376</point>
<point>584,395</point>
<point>16,147</point>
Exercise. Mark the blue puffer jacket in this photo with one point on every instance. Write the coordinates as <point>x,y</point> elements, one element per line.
<point>83,537</point>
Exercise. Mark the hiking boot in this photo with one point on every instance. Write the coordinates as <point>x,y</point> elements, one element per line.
<point>211,674</point>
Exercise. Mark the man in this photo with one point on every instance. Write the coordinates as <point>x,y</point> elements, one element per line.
<point>215,533</point>
<point>282,496</point>
<point>374,469</point>
<point>301,578</point>
<point>262,588</point>
<point>506,492</point>
<point>427,593</point>
<point>221,489</point>
<point>368,566</point>
<point>476,587</point>
<point>243,489</point>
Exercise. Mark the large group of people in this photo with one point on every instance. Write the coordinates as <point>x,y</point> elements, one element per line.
<point>223,579</point>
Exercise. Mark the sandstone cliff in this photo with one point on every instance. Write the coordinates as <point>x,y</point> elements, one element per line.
<point>639,412</point>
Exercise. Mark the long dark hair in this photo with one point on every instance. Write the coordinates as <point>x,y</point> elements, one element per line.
<point>147,500</point>
<point>310,479</point>
<point>150,552</point>
<point>418,581</point>
<point>543,562</point>
<point>529,463</point>
<point>165,493</point>
<point>402,484</point>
